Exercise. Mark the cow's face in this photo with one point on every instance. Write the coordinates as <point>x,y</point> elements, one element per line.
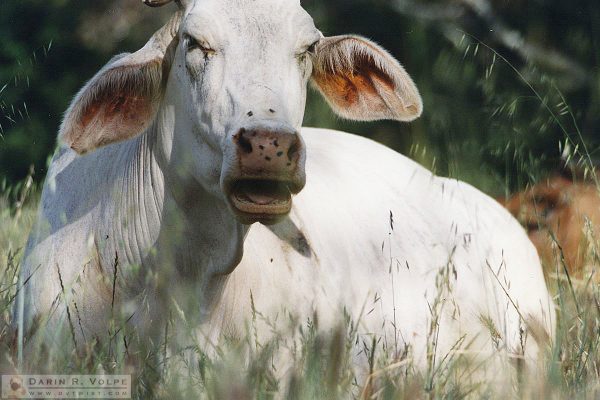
<point>224,83</point>
<point>239,80</point>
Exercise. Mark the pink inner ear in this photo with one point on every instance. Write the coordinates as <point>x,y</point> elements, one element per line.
<point>116,105</point>
<point>109,118</point>
<point>346,86</point>
<point>128,108</point>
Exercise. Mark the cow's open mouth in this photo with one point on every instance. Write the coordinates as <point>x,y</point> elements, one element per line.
<point>263,201</point>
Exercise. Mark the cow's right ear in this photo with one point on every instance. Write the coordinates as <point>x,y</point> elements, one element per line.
<point>121,101</point>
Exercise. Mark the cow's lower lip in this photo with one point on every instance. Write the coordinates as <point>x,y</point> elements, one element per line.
<point>263,201</point>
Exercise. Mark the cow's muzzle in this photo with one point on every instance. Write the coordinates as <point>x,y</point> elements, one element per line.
<point>270,168</point>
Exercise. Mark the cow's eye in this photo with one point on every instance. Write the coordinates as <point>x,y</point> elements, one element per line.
<point>311,49</point>
<point>193,44</point>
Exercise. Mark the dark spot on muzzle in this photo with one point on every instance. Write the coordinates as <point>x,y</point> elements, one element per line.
<point>243,142</point>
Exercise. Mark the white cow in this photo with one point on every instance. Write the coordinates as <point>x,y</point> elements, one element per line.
<point>171,155</point>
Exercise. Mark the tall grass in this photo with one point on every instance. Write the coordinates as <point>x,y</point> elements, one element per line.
<point>322,362</point>
<point>17,214</point>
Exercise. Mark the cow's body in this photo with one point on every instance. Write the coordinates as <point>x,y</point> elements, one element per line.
<point>337,250</point>
<point>174,154</point>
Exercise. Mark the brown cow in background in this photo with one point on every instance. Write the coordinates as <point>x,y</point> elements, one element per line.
<point>562,212</point>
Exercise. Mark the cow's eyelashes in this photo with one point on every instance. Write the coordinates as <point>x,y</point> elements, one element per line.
<point>193,44</point>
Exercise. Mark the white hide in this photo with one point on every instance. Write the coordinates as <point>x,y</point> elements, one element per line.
<point>344,214</point>
<point>156,202</point>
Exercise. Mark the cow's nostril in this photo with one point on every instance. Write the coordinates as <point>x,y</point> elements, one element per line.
<point>294,148</point>
<point>243,141</point>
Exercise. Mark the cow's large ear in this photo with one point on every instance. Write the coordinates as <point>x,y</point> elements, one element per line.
<point>361,81</point>
<point>121,101</point>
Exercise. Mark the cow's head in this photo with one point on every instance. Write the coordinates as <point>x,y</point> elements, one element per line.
<point>560,210</point>
<point>224,85</point>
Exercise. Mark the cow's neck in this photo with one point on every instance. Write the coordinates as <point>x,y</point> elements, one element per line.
<point>199,242</point>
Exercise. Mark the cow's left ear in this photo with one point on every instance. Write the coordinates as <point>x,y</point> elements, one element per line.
<point>361,81</point>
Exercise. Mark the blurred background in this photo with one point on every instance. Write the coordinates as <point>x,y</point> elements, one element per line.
<point>508,85</point>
